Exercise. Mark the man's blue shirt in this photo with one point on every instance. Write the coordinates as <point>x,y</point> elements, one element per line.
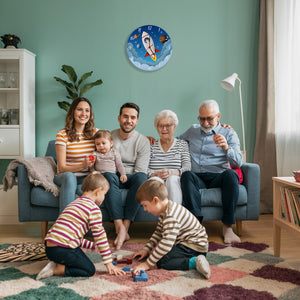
<point>206,156</point>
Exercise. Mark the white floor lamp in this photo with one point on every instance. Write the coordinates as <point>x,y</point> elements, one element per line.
<point>228,84</point>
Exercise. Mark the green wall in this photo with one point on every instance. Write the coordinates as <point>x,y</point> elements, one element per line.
<point>211,40</point>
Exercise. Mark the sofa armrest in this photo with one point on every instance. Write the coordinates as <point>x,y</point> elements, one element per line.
<point>251,173</point>
<point>24,193</point>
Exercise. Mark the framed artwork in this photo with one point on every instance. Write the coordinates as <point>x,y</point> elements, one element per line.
<point>149,47</point>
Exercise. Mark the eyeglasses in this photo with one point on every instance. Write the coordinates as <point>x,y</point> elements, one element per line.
<point>167,126</point>
<point>208,119</point>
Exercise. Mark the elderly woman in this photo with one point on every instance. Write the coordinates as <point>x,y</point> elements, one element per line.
<point>169,156</point>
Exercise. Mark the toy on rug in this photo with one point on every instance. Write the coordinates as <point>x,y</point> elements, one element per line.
<point>143,276</point>
<point>122,260</point>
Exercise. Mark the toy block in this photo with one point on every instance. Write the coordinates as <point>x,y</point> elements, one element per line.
<point>142,277</point>
<point>127,269</point>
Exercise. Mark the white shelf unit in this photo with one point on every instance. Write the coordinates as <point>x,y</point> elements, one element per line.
<point>17,140</point>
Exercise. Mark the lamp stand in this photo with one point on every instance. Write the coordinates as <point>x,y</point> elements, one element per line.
<point>242,116</point>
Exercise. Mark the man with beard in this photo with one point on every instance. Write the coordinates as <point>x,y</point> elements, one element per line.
<point>134,149</point>
<point>214,149</point>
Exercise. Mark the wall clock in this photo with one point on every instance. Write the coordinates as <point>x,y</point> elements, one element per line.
<point>149,47</point>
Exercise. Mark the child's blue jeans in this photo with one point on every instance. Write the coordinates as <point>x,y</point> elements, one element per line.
<point>76,263</point>
<point>178,258</point>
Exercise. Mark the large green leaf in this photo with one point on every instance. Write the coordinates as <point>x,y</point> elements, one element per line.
<point>88,86</point>
<point>83,78</point>
<point>64,105</point>
<point>73,93</point>
<point>66,84</point>
<point>70,72</point>
<point>69,86</point>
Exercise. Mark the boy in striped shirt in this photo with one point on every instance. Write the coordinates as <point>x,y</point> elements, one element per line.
<point>179,241</point>
<point>66,236</point>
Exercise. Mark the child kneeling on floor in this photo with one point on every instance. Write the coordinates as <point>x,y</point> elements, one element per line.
<point>66,236</point>
<point>179,241</point>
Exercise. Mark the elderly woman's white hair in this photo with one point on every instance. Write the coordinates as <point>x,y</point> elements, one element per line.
<point>166,114</point>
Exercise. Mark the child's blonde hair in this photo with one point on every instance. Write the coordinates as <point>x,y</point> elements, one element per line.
<point>149,189</point>
<point>103,133</point>
<point>94,181</point>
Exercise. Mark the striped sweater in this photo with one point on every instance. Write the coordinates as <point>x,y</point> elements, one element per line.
<point>76,151</point>
<point>176,226</point>
<point>75,221</point>
<point>176,158</point>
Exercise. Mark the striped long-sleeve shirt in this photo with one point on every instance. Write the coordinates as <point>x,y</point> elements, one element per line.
<point>176,226</point>
<point>74,222</point>
<point>176,158</point>
<point>76,151</point>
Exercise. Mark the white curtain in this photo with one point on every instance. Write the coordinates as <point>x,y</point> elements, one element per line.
<point>287,85</point>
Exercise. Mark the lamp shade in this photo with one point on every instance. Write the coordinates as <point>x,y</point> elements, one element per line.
<point>228,83</point>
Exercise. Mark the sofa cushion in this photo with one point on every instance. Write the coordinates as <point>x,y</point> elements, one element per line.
<point>40,197</point>
<point>213,197</point>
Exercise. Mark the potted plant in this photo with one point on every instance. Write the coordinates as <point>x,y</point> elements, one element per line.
<point>75,88</point>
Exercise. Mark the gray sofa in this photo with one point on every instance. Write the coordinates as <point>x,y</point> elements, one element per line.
<point>35,204</point>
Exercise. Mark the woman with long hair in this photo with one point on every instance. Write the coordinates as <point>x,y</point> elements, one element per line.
<point>73,145</point>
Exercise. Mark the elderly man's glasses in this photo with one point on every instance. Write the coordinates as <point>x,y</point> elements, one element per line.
<point>208,119</point>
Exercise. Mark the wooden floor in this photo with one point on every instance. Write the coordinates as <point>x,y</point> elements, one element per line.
<point>260,231</point>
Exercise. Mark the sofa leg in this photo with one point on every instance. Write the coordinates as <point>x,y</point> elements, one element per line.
<point>44,229</point>
<point>239,229</point>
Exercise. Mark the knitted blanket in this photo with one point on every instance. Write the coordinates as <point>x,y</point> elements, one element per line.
<point>41,171</point>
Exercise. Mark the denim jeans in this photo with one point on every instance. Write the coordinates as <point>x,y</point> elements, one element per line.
<point>228,181</point>
<point>178,258</point>
<point>68,187</point>
<point>113,198</point>
<point>76,263</point>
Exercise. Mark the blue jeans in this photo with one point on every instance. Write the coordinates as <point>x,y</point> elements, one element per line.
<point>68,188</point>
<point>228,181</point>
<point>76,263</point>
<point>113,199</point>
<point>177,258</point>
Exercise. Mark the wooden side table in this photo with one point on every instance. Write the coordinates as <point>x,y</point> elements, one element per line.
<point>278,221</point>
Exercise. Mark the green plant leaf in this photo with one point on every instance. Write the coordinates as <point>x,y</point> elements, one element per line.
<point>88,86</point>
<point>83,78</point>
<point>70,72</point>
<point>64,105</point>
<point>72,94</point>
<point>66,84</point>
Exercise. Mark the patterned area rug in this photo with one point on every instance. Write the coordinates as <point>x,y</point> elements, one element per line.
<point>22,252</point>
<point>241,271</point>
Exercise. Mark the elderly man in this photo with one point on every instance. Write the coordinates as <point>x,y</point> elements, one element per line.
<point>213,150</point>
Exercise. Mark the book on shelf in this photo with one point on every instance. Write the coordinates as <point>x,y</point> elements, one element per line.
<point>296,199</point>
<point>294,215</point>
<point>290,205</point>
<point>284,209</point>
<point>286,212</point>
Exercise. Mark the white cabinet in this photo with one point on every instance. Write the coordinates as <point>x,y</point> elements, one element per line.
<point>17,104</point>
